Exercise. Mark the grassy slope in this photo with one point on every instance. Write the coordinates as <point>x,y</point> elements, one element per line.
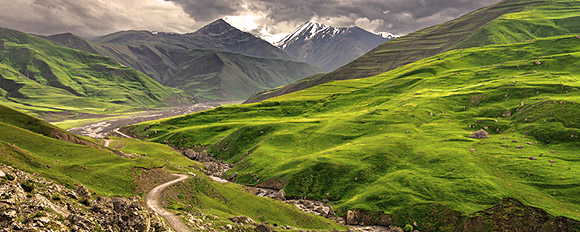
<point>38,147</point>
<point>372,143</point>
<point>32,145</point>
<point>40,77</point>
<point>229,200</point>
<point>509,21</point>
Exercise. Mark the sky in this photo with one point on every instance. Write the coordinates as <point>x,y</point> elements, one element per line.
<point>269,19</point>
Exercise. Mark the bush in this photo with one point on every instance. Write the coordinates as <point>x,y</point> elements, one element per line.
<point>9,177</point>
<point>28,186</point>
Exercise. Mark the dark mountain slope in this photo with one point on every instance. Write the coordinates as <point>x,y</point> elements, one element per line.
<point>165,56</point>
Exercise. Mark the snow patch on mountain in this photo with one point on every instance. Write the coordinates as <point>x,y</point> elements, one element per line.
<point>387,35</point>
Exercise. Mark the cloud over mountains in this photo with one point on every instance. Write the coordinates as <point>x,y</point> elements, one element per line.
<point>261,17</point>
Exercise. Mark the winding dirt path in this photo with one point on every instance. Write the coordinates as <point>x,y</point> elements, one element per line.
<point>152,202</point>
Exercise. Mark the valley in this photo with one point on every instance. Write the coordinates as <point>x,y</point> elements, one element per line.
<point>274,124</point>
<point>102,128</point>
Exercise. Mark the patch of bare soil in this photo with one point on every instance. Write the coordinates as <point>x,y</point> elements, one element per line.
<point>147,179</point>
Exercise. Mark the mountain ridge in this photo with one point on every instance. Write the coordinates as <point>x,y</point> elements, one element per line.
<point>165,56</point>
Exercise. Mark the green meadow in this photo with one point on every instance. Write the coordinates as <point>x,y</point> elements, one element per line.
<point>400,139</point>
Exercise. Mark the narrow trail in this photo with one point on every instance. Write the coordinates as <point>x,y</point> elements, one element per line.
<point>152,202</point>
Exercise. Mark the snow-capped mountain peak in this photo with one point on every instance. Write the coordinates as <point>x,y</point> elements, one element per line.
<point>329,47</point>
<point>307,31</point>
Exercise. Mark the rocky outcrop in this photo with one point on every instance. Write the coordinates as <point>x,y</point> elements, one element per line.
<point>271,184</point>
<point>201,156</point>
<point>513,215</point>
<point>213,166</point>
<point>480,134</point>
<point>32,203</point>
<point>264,227</point>
<point>365,217</point>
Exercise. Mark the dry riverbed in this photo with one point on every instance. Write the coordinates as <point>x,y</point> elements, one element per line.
<point>103,128</point>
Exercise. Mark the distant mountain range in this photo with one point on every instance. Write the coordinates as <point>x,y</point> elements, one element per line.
<point>216,62</point>
<point>39,77</point>
<point>330,47</point>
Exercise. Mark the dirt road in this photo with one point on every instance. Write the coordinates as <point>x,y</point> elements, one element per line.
<point>152,202</point>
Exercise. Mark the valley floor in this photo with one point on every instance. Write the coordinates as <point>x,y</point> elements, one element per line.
<point>101,127</point>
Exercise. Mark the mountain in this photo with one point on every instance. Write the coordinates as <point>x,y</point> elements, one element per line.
<point>406,142</point>
<point>328,47</point>
<point>505,22</point>
<point>218,35</point>
<point>238,64</point>
<point>220,75</point>
<point>42,78</point>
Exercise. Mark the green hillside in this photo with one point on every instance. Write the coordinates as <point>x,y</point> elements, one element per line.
<point>41,78</point>
<point>509,21</point>
<point>35,146</point>
<point>400,139</point>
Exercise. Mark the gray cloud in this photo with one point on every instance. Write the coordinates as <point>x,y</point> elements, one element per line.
<point>97,17</point>
<point>93,17</point>
<point>205,10</point>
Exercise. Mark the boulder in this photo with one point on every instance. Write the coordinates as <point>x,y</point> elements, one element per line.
<point>280,195</point>
<point>271,184</point>
<point>243,220</point>
<point>83,192</point>
<point>351,218</point>
<point>121,204</point>
<point>480,134</point>
<point>264,227</point>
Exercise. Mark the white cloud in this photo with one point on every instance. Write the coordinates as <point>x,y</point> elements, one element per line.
<point>370,25</point>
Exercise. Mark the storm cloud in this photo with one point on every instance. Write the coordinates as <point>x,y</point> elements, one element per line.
<point>267,18</point>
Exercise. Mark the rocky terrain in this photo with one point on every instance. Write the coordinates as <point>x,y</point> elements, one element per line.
<point>31,203</point>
